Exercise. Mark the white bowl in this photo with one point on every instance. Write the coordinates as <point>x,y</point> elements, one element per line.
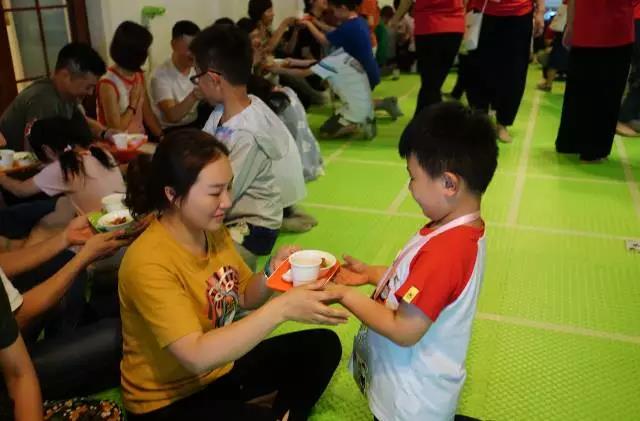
<point>105,222</point>
<point>328,261</point>
<point>113,202</point>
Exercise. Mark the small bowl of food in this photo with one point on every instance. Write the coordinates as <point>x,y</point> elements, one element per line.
<point>116,221</point>
<point>327,260</point>
<point>24,159</point>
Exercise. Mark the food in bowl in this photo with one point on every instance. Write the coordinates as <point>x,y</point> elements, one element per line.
<point>116,220</point>
<point>24,159</point>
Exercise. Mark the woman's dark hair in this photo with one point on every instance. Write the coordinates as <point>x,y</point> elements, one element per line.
<point>448,137</point>
<point>130,46</point>
<point>257,8</point>
<point>263,89</point>
<point>247,25</point>
<point>62,136</point>
<point>176,163</point>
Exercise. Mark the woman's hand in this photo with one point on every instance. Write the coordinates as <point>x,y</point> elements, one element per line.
<point>281,255</point>
<point>309,304</point>
<point>353,272</point>
<point>538,24</point>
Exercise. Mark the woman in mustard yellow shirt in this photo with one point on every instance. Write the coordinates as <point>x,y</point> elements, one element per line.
<point>180,285</point>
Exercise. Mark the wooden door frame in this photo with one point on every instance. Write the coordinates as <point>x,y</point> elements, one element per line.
<point>79,27</point>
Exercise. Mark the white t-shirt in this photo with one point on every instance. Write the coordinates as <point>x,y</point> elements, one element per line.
<point>349,81</point>
<point>167,82</point>
<point>15,298</point>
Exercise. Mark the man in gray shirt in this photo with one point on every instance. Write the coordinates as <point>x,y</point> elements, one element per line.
<point>77,71</point>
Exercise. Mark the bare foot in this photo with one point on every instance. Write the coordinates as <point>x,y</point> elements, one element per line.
<point>503,134</point>
<point>624,129</point>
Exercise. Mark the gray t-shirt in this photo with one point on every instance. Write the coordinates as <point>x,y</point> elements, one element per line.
<point>38,101</point>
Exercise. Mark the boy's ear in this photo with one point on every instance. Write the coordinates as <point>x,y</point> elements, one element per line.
<point>451,182</point>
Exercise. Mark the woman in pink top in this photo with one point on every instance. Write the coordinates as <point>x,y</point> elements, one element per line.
<point>122,102</point>
<point>83,172</point>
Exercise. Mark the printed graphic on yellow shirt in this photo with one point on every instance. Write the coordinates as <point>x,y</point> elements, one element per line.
<point>222,295</point>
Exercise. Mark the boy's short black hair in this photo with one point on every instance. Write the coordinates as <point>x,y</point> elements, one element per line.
<point>130,46</point>
<point>450,137</point>
<point>224,21</point>
<point>225,49</point>
<point>349,4</point>
<point>257,8</point>
<point>184,28</point>
<point>387,12</point>
<point>80,59</point>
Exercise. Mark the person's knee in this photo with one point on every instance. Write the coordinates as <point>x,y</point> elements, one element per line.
<point>327,343</point>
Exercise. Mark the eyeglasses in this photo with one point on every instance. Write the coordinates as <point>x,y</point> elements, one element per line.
<point>196,78</point>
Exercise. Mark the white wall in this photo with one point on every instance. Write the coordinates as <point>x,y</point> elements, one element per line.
<point>105,16</point>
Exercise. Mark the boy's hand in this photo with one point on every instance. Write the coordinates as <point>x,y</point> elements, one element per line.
<point>353,272</point>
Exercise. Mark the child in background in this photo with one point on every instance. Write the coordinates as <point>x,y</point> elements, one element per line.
<point>410,353</point>
<point>122,100</point>
<point>354,38</point>
<point>265,160</point>
<point>84,172</point>
<point>349,81</point>
<point>285,103</point>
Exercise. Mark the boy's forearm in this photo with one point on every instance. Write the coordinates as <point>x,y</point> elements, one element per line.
<point>375,273</point>
<point>373,314</point>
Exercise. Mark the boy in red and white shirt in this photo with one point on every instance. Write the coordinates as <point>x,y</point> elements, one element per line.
<point>409,355</point>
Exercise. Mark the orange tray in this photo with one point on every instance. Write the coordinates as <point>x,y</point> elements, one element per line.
<point>276,283</point>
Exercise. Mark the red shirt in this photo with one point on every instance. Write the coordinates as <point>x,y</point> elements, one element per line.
<point>442,268</point>
<point>439,16</point>
<point>636,11</point>
<point>505,7</point>
<point>603,23</point>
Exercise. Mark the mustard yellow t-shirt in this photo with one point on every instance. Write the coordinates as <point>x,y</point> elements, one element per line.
<point>166,293</point>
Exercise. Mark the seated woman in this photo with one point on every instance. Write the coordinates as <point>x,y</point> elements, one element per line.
<point>123,103</point>
<point>181,283</point>
<point>76,168</point>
